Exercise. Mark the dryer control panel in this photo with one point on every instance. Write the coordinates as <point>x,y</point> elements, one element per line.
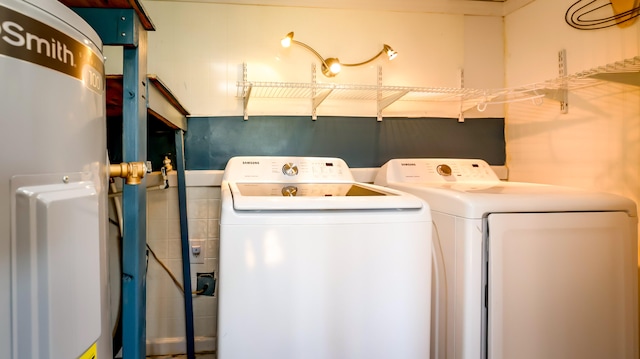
<point>435,170</point>
<point>287,170</point>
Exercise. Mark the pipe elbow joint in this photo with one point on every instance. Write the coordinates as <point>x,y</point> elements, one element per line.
<point>132,172</point>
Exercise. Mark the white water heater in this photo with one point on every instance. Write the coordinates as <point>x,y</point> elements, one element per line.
<point>54,292</point>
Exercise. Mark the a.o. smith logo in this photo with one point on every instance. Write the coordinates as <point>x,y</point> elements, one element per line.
<point>27,39</point>
<point>250,162</point>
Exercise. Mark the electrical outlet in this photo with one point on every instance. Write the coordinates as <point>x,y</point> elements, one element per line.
<point>206,284</point>
<point>196,252</point>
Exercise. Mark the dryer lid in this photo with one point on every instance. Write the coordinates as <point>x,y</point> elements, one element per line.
<point>478,200</point>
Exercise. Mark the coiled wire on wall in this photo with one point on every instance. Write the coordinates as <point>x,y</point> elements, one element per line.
<point>584,15</point>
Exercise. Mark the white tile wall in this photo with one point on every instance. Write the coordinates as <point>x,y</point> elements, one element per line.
<point>165,302</point>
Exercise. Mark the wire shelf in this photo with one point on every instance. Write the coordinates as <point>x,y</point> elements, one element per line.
<point>625,71</point>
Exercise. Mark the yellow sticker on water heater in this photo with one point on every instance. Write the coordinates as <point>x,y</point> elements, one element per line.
<point>91,353</point>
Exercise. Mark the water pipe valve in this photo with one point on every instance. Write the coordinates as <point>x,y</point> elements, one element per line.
<point>132,172</point>
<point>167,164</point>
<point>164,170</point>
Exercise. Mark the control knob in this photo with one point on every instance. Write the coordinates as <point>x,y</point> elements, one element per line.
<point>444,170</point>
<point>290,169</point>
<point>289,191</point>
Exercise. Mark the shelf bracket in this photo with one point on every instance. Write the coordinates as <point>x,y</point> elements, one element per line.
<point>461,114</point>
<point>387,101</point>
<point>554,94</point>
<point>317,100</point>
<point>314,102</point>
<point>379,95</point>
<point>562,73</point>
<point>246,92</point>
<point>384,102</point>
<point>245,100</point>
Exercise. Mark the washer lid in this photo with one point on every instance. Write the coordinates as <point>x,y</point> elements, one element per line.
<point>318,196</point>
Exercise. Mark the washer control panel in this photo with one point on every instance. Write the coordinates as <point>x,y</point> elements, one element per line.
<point>287,169</point>
<point>444,170</point>
<point>436,170</point>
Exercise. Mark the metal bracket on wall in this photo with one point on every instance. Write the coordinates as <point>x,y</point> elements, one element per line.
<point>384,102</point>
<point>461,114</point>
<point>246,91</point>
<point>558,89</point>
<point>316,99</point>
<point>562,74</point>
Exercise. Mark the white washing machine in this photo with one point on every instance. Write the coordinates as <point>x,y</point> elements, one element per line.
<point>315,265</point>
<point>525,271</point>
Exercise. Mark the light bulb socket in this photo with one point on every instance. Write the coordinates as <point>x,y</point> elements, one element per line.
<point>391,53</point>
<point>331,67</point>
<point>286,41</point>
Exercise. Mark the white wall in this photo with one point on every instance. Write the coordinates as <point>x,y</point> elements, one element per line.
<point>198,50</point>
<point>595,145</point>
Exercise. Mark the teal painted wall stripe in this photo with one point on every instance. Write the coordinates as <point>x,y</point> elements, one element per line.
<point>360,141</point>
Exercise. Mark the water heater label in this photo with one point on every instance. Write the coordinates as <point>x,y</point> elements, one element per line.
<point>91,353</point>
<point>30,40</point>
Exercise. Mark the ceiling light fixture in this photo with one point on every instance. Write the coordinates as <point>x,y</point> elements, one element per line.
<point>331,66</point>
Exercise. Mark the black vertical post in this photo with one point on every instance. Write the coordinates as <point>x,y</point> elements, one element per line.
<point>184,235</point>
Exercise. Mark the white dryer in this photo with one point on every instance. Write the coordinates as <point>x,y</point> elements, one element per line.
<point>314,265</point>
<point>525,271</point>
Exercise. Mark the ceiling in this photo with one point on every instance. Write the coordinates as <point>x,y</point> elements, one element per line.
<point>467,7</point>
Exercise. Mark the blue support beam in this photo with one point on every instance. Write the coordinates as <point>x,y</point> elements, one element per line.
<point>122,27</point>
<point>134,198</point>
<point>116,27</point>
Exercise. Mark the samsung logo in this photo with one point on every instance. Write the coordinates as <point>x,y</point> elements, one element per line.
<point>407,164</point>
<point>250,162</point>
